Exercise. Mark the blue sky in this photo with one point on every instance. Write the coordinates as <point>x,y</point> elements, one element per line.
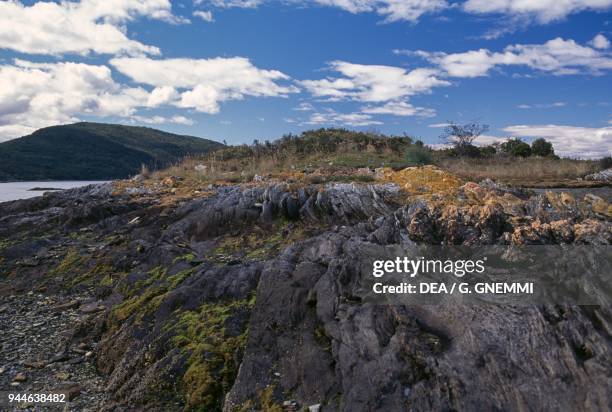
<point>239,70</point>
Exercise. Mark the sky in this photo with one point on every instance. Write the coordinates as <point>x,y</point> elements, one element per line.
<point>239,70</point>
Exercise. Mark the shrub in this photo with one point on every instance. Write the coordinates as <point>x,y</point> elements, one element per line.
<point>468,150</point>
<point>516,147</point>
<point>462,136</point>
<point>488,151</point>
<point>418,155</point>
<point>606,162</point>
<point>541,147</point>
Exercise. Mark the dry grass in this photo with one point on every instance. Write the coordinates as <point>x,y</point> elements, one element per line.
<point>531,171</point>
<point>200,170</point>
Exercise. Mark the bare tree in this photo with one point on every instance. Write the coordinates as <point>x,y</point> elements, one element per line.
<point>462,136</point>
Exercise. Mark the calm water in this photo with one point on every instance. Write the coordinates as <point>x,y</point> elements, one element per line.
<point>21,190</point>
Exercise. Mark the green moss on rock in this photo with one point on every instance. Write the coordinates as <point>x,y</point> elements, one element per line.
<point>214,351</point>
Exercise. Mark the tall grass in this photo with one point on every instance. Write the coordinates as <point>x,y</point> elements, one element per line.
<point>514,170</point>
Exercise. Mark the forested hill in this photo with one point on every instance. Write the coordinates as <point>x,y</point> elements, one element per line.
<point>93,151</point>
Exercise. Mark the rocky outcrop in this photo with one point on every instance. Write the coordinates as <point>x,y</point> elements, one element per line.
<point>602,176</point>
<point>250,297</point>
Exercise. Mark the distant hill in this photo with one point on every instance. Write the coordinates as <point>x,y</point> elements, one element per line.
<point>93,151</point>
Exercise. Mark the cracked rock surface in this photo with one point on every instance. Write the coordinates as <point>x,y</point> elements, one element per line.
<point>248,298</point>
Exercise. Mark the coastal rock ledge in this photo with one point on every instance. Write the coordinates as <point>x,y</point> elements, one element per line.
<point>247,298</point>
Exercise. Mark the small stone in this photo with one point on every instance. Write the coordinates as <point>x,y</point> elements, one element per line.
<point>34,364</point>
<point>89,354</point>
<point>15,383</point>
<point>68,305</point>
<point>59,357</point>
<point>74,361</point>
<point>20,377</point>
<point>72,391</point>
<point>407,392</point>
<point>83,346</point>
<point>314,408</point>
<point>92,308</point>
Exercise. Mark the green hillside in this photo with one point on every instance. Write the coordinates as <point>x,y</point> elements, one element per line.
<point>93,151</point>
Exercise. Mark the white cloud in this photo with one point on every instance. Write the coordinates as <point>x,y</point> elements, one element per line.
<point>204,15</point>
<point>570,141</point>
<point>557,56</point>
<point>400,108</point>
<point>600,42</point>
<point>517,11</point>
<point>372,83</point>
<point>331,117</point>
<point>82,27</point>
<point>304,107</point>
<point>391,10</point>
<point>485,140</point>
<point>543,11</point>
<point>226,4</point>
<point>203,84</point>
<point>385,89</point>
<point>34,95</point>
<point>161,120</point>
<point>162,95</point>
<point>542,105</point>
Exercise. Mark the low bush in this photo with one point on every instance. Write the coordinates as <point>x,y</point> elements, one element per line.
<point>418,155</point>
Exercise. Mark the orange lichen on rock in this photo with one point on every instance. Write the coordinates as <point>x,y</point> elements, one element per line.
<point>478,195</point>
<point>420,180</point>
<point>590,203</point>
<point>598,205</point>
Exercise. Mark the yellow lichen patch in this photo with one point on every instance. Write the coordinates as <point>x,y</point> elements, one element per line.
<point>481,196</point>
<point>598,205</point>
<point>420,180</point>
<point>475,193</point>
<point>561,201</point>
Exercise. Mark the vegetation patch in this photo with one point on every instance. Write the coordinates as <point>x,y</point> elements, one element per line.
<point>146,295</point>
<point>71,263</point>
<point>421,180</point>
<point>188,257</point>
<point>529,171</point>
<point>6,243</point>
<point>214,337</point>
<point>259,243</point>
